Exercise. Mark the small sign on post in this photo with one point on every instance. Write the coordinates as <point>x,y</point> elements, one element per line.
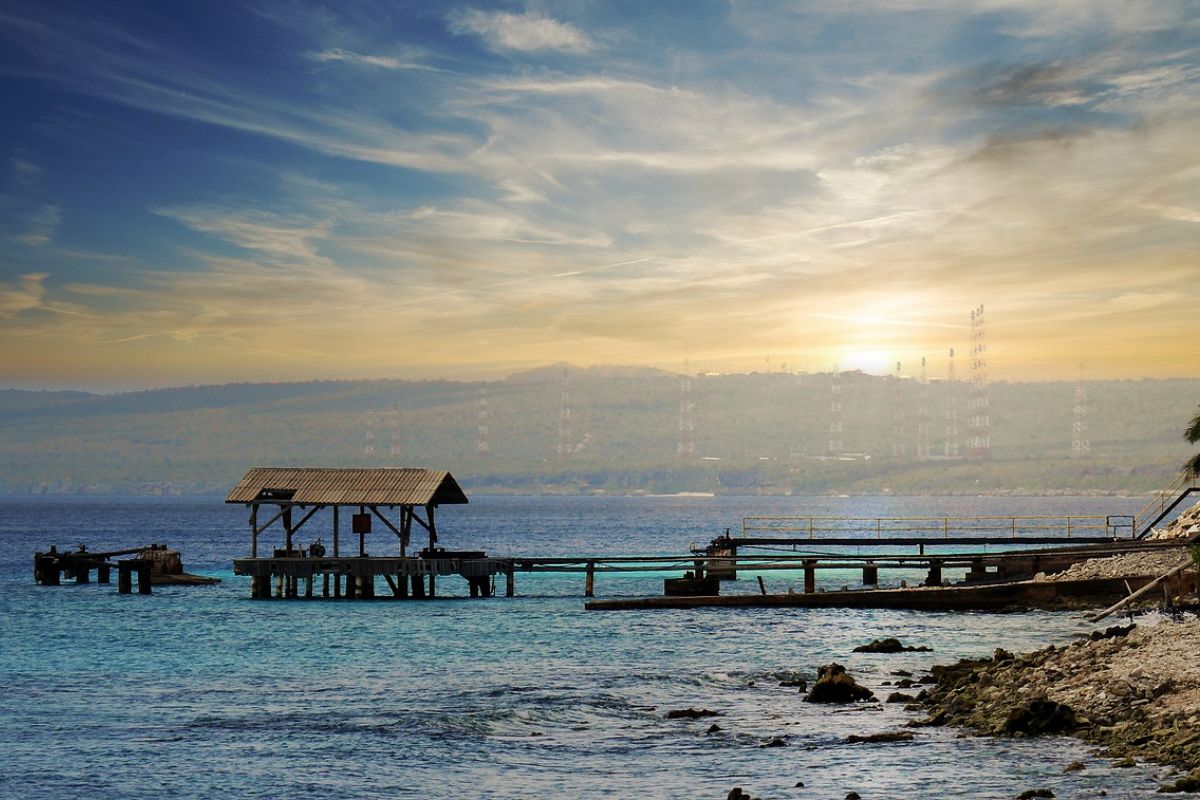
<point>361,523</point>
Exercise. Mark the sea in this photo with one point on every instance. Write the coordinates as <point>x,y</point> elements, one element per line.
<point>201,692</point>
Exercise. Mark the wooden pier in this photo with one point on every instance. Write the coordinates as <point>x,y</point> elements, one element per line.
<point>293,497</point>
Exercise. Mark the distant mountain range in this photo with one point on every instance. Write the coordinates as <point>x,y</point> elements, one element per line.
<point>621,428</point>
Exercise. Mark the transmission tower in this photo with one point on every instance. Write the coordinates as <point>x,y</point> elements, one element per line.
<point>369,444</point>
<point>898,416</point>
<point>1080,446</point>
<point>483,439</point>
<point>835,413</point>
<point>980,438</point>
<point>686,446</point>
<point>394,431</point>
<point>565,435</point>
<point>923,414</point>
<point>951,447</point>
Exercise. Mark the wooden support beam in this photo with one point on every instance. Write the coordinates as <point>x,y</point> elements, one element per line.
<point>287,526</point>
<point>306,518</point>
<point>510,581</point>
<point>387,522</point>
<point>144,569</point>
<point>83,573</point>
<point>810,575</point>
<point>870,574</point>
<point>336,552</point>
<point>254,530</point>
<point>589,584</point>
<point>103,573</point>
<point>418,587</point>
<point>124,577</point>
<point>934,578</point>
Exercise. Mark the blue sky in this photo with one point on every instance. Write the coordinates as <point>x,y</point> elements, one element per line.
<point>206,192</point>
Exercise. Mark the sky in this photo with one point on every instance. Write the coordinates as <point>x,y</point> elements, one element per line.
<point>207,192</point>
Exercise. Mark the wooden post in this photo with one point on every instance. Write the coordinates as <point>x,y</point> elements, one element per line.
<point>432,528</point>
<point>351,586</point>
<point>762,587</point>
<point>124,577</point>
<point>418,586</point>
<point>337,586</point>
<point>279,586</point>
<point>260,587</point>
<point>335,533</point>
<point>870,574</point>
<point>589,585</point>
<point>473,586</point>
<point>103,574</point>
<point>83,573</point>
<point>510,581</point>
<point>401,586</point>
<point>144,569</point>
<point>432,585</point>
<point>308,587</point>
<point>254,531</point>
<point>324,584</point>
<point>810,575</point>
<point>366,588</point>
<point>287,526</point>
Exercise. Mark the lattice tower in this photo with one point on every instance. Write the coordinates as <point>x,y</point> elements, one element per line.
<point>483,431</point>
<point>685,446</point>
<point>898,416</point>
<point>369,443</point>
<point>979,424</point>
<point>835,413</point>
<point>923,414</point>
<point>394,431</point>
<point>1080,446</point>
<point>950,449</point>
<point>565,435</point>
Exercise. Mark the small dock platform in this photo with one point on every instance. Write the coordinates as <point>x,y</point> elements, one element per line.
<point>153,564</point>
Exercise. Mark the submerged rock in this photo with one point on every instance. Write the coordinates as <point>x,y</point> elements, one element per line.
<point>890,645</point>
<point>878,738</point>
<point>692,713</point>
<point>1029,794</point>
<point>835,685</point>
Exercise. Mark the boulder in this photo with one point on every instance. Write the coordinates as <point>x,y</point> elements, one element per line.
<point>835,685</point>
<point>1040,716</point>
<point>692,713</point>
<point>878,738</point>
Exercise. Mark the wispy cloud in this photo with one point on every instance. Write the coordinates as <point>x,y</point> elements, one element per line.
<point>529,31</point>
<point>25,294</point>
<point>382,62</point>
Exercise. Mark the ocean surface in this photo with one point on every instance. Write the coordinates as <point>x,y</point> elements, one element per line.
<point>201,692</point>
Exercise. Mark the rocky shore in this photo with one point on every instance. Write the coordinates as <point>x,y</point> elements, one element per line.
<point>1132,690</point>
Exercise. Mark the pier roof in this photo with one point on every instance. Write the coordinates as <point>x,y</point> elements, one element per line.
<point>382,486</point>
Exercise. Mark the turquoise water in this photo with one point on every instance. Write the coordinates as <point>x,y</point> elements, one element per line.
<point>198,692</point>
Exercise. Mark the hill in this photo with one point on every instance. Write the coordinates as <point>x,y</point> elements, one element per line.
<point>759,432</point>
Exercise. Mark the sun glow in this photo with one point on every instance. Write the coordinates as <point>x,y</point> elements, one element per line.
<point>875,362</point>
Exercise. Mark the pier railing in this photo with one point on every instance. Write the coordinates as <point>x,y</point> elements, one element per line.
<point>1164,501</point>
<point>1017,528</point>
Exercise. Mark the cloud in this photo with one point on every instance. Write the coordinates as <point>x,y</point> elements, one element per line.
<point>526,32</point>
<point>382,62</point>
<point>24,295</point>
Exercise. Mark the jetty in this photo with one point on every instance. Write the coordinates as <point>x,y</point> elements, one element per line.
<point>152,564</point>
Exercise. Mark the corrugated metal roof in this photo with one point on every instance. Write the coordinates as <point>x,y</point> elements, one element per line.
<point>322,486</point>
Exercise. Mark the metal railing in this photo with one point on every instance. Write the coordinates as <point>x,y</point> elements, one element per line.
<point>1097,526</point>
<point>1162,501</point>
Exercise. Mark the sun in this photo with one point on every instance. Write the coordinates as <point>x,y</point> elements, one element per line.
<point>875,362</point>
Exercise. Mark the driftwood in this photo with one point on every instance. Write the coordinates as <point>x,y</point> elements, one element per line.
<point>1169,573</point>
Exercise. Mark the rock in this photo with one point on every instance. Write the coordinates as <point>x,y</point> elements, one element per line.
<point>799,784</point>
<point>776,741</point>
<point>736,793</point>
<point>1028,794</point>
<point>1125,763</point>
<point>899,697</point>
<point>835,685</point>
<point>714,728</point>
<point>1001,655</point>
<point>1039,716</point>
<point>1188,783</point>
<point>905,683</point>
<point>889,645</point>
<point>1074,766</point>
<point>692,713</point>
<point>853,796</point>
<point>877,738</point>
<point>799,683</point>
